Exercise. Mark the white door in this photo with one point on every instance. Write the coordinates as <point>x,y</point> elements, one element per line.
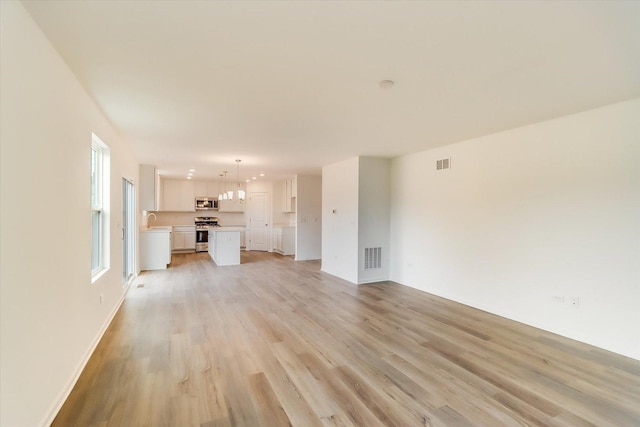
<point>258,222</point>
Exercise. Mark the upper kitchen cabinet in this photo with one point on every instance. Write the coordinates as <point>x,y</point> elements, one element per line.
<point>207,189</point>
<point>149,188</point>
<point>178,195</point>
<point>289,193</point>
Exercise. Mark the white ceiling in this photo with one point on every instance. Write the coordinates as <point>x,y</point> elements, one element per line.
<point>291,86</point>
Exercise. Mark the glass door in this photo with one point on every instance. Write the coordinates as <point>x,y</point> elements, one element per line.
<point>128,231</point>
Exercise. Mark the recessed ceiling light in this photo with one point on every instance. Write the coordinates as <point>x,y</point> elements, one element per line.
<point>247,180</point>
<point>261,174</point>
<point>385,84</point>
<point>192,170</point>
<point>253,177</point>
<point>188,177</point>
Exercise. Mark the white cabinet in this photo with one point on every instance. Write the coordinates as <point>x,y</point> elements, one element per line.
<point>149,188</point>
<point>230,205</point>
<point>212,245</point>
<point>206,189</point>
<point>289,194</point>
<point>289,241</point>
<point>178,195</point>
<point>279,240</point>
<point>274,238</point>
<point>184,238</point>
<point>283,240</point>
<point>178,241</point>
<point>201,189</point>
<point>190,240</point>
<point>155,248</point>
<point>224,245</point>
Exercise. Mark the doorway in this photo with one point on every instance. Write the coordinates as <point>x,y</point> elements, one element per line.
<point>259,207</point>
<point>128,231</point>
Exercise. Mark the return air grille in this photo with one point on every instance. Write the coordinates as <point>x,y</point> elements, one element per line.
<point>372,258</point>
<point>443,164</point>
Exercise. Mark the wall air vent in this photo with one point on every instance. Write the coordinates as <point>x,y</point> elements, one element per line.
<point>372,258</point>
<point>443,164</point>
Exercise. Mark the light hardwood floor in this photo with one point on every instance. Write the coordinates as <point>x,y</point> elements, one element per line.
<point>274,342</point>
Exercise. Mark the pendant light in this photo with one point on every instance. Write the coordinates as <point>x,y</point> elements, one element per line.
<point>224,195</point>
<point>239,192</point>
<point>220,196</point>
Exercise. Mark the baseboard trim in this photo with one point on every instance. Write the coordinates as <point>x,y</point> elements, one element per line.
<point>369,281</point>
<point>64,394</point>
<point>518,317</point>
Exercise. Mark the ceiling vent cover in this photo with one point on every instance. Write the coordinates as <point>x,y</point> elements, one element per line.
<point>372,258</point>
<point>443,164</point>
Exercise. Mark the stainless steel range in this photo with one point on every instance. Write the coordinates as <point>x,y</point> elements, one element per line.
<point>203,223</point>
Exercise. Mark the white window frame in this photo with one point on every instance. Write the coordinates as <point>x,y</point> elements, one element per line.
<point>100,205</point>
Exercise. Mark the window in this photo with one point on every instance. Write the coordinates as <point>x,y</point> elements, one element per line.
<point>99,207</point>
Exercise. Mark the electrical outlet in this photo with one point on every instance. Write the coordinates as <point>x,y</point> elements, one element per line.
<point>575,302</point>
<point>101,298</point>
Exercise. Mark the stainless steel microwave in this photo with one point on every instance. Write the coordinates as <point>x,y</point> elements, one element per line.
<point>206,204</point>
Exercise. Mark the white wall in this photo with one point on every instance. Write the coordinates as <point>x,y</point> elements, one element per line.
<point>51,315</point>
<point>358,190</point>
<point>309,215</point>
<point>551,209</point>
<point>373,215</point>
<point>340,229</point>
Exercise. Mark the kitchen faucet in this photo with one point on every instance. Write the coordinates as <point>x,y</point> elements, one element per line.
<point>149,216</point>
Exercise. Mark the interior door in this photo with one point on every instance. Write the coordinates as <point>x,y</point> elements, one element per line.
<point>259,222</point>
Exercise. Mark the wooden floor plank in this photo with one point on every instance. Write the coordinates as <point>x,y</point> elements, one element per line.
<point>276,342</point>
<point>271,411</point>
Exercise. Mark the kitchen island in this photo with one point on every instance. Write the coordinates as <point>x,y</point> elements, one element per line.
<point>224,245</point>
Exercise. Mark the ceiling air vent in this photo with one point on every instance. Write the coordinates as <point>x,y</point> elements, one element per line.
<point>372,258</point>
<point>443,164</point>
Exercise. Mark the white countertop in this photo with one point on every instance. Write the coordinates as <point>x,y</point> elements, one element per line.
<point>165,228</point>
<point>157,229</point>
<point>223,229</point>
